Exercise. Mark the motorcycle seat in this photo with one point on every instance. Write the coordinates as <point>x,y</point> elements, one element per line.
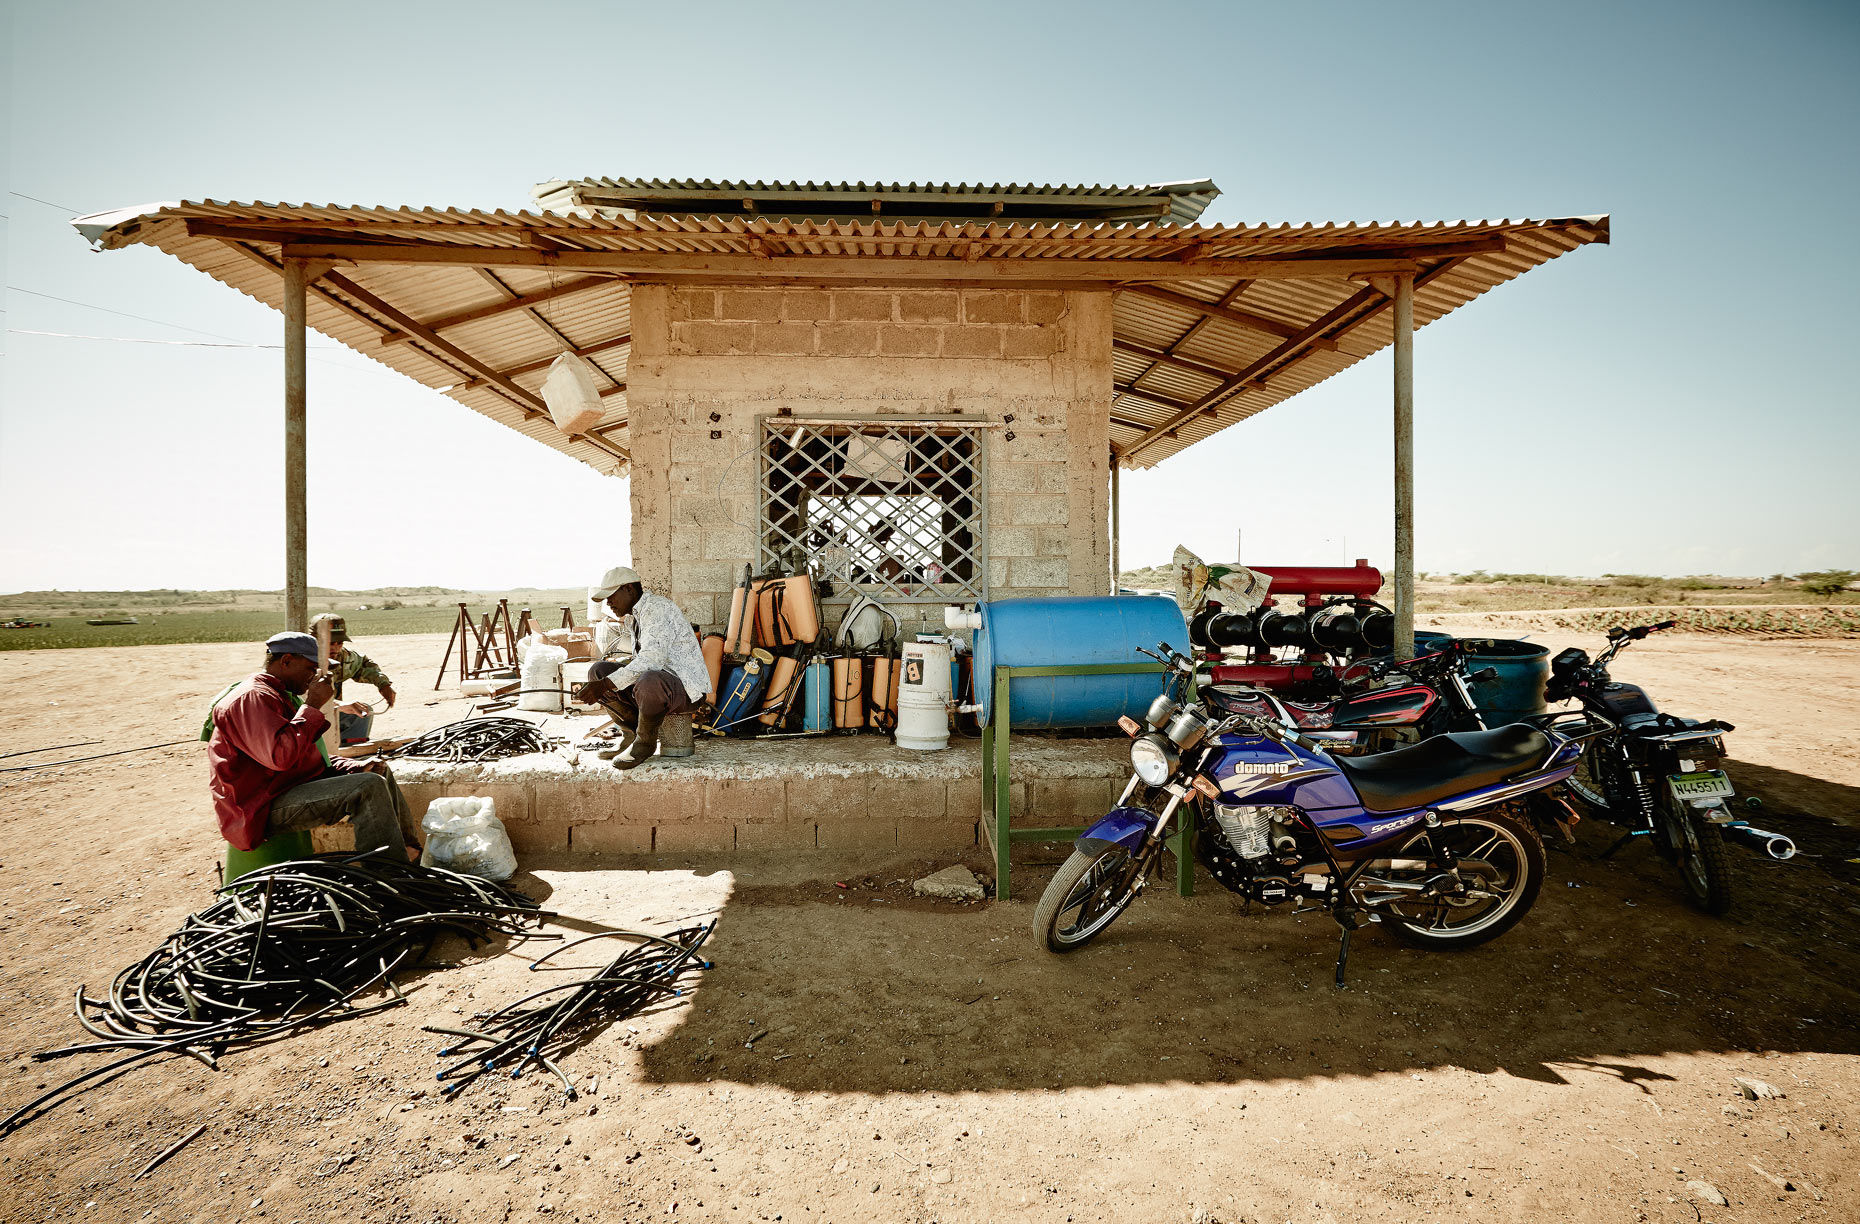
<point>1443,766</point>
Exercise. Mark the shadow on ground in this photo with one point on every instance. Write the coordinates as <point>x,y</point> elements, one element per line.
<point>1612,969</point>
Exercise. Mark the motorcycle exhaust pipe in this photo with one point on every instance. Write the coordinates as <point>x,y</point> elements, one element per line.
<point>1776,845</point>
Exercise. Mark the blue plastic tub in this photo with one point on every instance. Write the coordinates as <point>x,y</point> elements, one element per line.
<point>1518,689</point>
<point>1063,632</point>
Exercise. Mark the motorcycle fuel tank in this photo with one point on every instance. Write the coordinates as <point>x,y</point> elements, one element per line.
<point>1397,707</point>
<point>1257,771</point>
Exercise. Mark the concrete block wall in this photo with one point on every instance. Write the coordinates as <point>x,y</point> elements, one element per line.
<point>683,814</point>
<point>707,361</point>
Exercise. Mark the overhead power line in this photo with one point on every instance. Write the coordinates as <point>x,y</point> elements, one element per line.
<point>36,200</point>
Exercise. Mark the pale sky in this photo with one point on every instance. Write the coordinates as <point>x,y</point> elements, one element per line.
<point>1681,401</point>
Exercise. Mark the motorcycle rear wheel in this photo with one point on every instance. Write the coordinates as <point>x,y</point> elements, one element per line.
<point>1699,853</point>
<point>1508,847</point>
<point>1084,897</point>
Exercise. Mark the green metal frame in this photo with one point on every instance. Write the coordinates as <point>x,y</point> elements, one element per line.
<point>996,795</point>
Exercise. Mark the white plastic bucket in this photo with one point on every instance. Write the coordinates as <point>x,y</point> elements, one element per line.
<point>924,696</point>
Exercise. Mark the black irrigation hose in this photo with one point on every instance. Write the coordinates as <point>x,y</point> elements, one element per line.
<point>514,1035</point>
<point>477,739</point>
<point>97,757</point>
<point>283,948</point>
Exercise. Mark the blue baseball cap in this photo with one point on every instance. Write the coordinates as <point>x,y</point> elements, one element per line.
<point>292,643</point>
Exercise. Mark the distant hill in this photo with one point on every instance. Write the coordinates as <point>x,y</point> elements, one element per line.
<point>174,599</point>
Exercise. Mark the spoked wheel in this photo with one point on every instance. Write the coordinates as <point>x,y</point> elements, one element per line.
<point>1699,853</point>
<point>1084,898</point>
<point>1501,866</point>
<point>1588,782</point>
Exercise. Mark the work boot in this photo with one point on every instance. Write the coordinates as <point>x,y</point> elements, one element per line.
<point>626,717</point>
<point>644,744</point>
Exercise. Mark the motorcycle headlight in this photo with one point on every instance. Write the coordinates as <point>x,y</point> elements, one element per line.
<point>1154,758</point>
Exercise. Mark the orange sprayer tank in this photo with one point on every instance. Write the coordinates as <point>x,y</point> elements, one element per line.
<point>884,704</point>
<point>713,662</point>
<point>848,692</point>
<point>787,673</point>
<point>785,612</point>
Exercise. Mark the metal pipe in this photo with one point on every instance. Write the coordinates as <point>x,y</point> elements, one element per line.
<point>1404,466</point>
<point>296,480</point>
<point>1776,845</point>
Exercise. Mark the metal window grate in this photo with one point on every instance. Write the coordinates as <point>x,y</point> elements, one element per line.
<point>895,511</point>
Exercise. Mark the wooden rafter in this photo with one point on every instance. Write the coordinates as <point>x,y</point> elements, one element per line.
<point>543,363</point>
<point>1215,310</point>
<point>519,302</point>
<point>1343,318</point>
<point>835,268</point>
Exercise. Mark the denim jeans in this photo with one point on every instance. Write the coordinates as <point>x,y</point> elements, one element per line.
<point>372,802</point>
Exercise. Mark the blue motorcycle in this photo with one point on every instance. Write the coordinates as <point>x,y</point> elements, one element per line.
<point>1433,840</point>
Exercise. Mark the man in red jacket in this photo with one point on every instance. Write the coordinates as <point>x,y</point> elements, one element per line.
<point>268,770</point>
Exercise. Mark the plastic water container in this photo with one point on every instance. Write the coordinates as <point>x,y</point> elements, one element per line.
<point>1063,632</point>
<point>1518,690</point>
<point>923,697</point>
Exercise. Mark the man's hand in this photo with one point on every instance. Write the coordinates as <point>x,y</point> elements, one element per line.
<point>319,692</point>
<point>354,707</point>
<point>387,695</point>
<point>378,767</point>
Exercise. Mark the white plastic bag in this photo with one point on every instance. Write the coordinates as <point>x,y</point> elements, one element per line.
<point>542,678</point>
<point>465,835</point>
<point>574,401</point>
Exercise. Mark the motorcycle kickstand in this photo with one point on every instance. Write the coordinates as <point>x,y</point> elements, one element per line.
<point>1349,919</point>
<point>1621,841</point>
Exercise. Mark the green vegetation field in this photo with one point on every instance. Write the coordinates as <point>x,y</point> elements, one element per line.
<point>247,616</point>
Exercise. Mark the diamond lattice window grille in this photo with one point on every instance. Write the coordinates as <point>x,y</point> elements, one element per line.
<point>897,512</point>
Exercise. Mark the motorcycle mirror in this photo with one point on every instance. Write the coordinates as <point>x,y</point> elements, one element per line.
<point>1616,634</point>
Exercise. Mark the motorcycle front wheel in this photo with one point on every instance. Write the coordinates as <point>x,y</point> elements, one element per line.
<point>1699,853</point>
<point>1084,898</point>
<point>1499,854</point>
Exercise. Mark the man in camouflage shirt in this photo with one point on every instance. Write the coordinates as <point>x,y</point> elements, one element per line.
<point>346,665</point>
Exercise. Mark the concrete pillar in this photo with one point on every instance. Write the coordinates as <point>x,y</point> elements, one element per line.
<point>1404,466</point>
<point>296,482</point>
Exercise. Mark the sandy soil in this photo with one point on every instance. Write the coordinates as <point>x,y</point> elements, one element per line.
<point>924,1062</point>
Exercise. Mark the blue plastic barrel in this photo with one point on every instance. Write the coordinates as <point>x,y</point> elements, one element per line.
<point>1064,632</point>
<point>1427,641</point>
<point>1518,689</point>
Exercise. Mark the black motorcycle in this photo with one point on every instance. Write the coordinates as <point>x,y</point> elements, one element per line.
<point>1655,774</point>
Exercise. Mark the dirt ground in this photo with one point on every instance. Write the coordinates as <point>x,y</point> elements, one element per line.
<point>923,1061</point>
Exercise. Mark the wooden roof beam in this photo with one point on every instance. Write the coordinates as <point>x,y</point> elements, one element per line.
<point>835,268</point>
<point>1165,357</point>
<point>1211,310</point>
<point>530,402</point>
<point>1350,314</point>
<point>520,302</point>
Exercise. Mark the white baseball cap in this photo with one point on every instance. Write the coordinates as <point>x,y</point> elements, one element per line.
<point>613,580</point>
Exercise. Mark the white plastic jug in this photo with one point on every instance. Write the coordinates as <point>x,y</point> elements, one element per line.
<point>465,835</point>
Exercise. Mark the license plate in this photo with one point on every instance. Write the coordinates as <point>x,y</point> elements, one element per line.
<point>1705,784</point>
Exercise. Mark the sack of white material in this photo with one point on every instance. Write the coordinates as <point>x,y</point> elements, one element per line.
<point>542,678</point>
<point>1238,588</point>
<point>574,401</point>
<point>465,835</point>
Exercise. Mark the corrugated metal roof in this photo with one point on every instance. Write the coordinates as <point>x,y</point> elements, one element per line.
<point>1179,203</point>
<point>1182,372</point>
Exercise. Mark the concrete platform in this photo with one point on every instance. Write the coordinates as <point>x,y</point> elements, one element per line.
<point>857,792</point>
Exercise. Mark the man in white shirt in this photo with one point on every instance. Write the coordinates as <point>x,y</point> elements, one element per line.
<point>667,666</point>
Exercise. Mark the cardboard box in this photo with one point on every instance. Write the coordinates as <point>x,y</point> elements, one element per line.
<point>578,642</point>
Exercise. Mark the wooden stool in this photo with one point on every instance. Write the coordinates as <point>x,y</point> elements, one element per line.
<point>675,736</point>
